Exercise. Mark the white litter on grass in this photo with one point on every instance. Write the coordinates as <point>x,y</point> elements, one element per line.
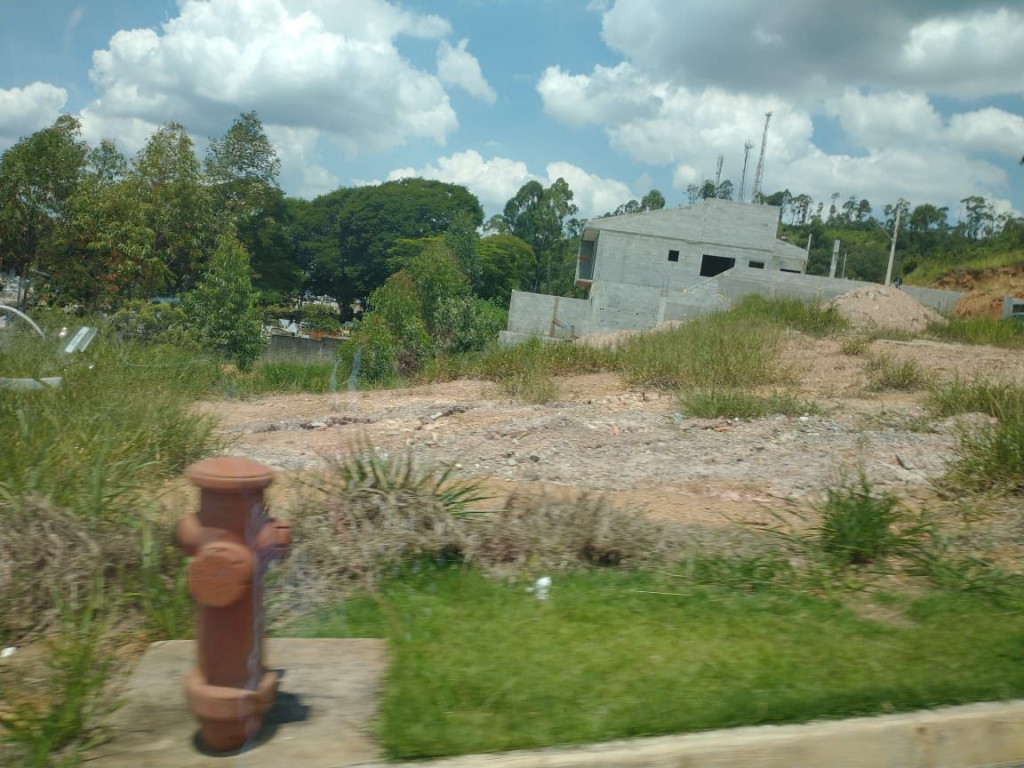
<point>541,587</point>
<point>7,652</point>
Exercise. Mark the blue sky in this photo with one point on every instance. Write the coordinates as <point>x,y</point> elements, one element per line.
<point>922,99</point>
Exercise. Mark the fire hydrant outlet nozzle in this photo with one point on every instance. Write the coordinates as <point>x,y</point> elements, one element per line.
<point>220,573</point>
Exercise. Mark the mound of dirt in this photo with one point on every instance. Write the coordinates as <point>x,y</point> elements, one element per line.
<point>878,306</point>
<point>985,289</point>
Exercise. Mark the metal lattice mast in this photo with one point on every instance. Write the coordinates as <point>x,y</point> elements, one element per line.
<point>747,146</point>
<point>759,174</point>
<point>718,171</point>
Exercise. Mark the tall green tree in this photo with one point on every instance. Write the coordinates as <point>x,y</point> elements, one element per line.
<point>507,263</point>
<point>242,169</point>
<point>545,219</point>
<point>350,232</point>
<point>177,207</point>
<point>108,241</point>
<point>38,178</point>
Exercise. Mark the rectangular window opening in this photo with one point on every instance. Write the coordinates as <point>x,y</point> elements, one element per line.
<point>673,255</point>
<point>756,265</point>
<point>793,271</point>
<point>715,265</point>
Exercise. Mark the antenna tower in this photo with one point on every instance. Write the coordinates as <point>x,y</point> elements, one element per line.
<point>747,146</point>
<point>759,174</point>
<point>718,171</point>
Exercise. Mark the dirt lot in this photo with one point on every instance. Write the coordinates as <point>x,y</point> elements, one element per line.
<point>633,445</point>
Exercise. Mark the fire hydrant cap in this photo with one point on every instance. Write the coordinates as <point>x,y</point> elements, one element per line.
<point>230,473</point>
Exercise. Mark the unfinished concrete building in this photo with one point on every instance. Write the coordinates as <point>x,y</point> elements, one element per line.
<point>642,269</point>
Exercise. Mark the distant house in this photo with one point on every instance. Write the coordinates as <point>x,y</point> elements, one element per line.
<point>642,269</point>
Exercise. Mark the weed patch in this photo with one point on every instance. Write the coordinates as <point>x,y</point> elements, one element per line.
<point>79,668</point>
<point>741,404</point>
<point>990,458</point>
<point>792,314</point>
<point>859,525</point>
<point>998,399</point>
<point>718,351</point>
<point>980,330</point>
<point>887,373</point>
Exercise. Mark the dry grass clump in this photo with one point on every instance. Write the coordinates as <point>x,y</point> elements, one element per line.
<point>369,518</point>
<point>557,534</point>
<point>49,555</point>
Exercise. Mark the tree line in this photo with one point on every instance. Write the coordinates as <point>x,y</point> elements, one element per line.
<point>92,228</point>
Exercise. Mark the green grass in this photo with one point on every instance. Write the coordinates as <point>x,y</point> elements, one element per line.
<point>741,404</point>
<point>288,377</point>
<point>120,421</point>
<point>980,330</point>
<point>480,666</point>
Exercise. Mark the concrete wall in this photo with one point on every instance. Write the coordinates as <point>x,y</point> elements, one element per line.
<point>537,314</point>
<point>283,348</point>
<point>782,285</point>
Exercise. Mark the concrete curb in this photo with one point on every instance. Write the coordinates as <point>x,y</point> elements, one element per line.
<point>987,735</point>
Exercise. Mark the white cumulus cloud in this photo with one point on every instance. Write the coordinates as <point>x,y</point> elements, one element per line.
<point>457,66</point>
<point>300,65</point>
<point>25,110</point>
<point>497,179</point>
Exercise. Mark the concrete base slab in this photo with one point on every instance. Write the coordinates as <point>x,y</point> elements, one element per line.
<point>327,698</point>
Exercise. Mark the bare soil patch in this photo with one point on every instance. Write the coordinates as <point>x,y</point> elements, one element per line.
<point>632,444</point>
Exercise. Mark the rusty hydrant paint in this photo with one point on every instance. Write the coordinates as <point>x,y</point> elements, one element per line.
<point>231,540</point>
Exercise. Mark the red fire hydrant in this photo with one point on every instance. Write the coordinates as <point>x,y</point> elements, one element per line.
<point>231,540</point>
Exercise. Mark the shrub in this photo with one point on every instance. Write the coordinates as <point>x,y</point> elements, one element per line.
<point>465,323</point>
<point>145,322</point>
<point>854,346</point>
<point>47,552</point>
<point>223,308</point>
<point>392,335</point>
<point>370,515</point>
<point>320,317</point>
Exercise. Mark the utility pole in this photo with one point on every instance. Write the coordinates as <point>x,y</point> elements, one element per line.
<point>835,259</point>
<point>759,174</point>
<point>892,249</point>
<point>747,146</point>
